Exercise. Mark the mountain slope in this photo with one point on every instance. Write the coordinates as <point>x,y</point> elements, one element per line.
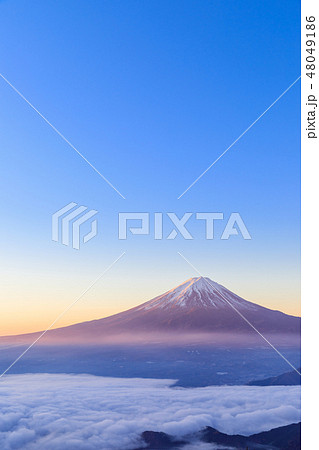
<point>198,306</point>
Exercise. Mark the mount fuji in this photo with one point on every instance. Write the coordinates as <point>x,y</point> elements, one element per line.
<point>197,309</point>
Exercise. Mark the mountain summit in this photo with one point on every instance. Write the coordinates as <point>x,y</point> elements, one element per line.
<point>197,293</point>
<point>197,308</point>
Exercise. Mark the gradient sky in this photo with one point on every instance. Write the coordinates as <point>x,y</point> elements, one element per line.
<point>151,93</point>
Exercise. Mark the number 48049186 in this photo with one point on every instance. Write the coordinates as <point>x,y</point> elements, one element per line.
<point>310,43</point>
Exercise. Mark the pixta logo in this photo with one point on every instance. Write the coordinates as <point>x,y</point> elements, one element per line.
<point>67,224</point>
<point>139,223</point>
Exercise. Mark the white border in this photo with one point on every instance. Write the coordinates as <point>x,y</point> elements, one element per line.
<point>310,245</point>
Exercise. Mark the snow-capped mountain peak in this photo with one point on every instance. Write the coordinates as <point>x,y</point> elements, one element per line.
<point>188,312</point>
<point>195,293</point>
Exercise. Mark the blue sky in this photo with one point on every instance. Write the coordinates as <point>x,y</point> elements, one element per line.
<point>151,93</point>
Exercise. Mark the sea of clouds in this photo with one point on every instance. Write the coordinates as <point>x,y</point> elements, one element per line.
<point>75,412</point>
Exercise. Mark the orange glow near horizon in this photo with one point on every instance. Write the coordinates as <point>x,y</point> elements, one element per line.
<point>26,315</point>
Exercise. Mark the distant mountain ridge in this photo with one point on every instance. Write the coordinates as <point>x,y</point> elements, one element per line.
<point>286,379</point>
<point>197,306</point>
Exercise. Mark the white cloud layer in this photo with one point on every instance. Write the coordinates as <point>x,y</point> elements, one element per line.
<point>75,412</point>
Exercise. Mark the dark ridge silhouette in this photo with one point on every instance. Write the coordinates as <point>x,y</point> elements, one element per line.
<point>158,440</point>
<point>286,379</point>
<point>282,438</point>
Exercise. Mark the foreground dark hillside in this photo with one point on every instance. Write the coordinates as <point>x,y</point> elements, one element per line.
<point>282,438</point>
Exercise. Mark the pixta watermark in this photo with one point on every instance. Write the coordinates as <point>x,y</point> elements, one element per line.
<point>69,221</point>
<point>74,224</point>
<point>140,223</point>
